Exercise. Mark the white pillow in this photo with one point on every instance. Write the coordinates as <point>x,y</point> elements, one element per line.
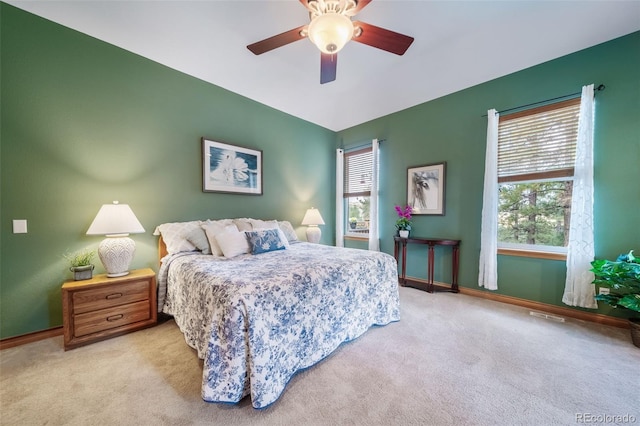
<point>263,224</point>
<point>243,224</point>
<point>212,229</point>
<point>223,222</point>
<point>233,243</point>
<point>198,238</point>
<point>288,230</point>
<point>175,235</point>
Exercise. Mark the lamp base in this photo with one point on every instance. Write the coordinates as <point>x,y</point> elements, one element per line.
<point>116,253</point>
<point>313,234</point>
<point>121,274</point>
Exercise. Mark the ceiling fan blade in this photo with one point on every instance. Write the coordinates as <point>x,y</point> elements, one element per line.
<point>276,41</point>
<point>328,66</point>
<point>360,5</point>
<point>382,39</point>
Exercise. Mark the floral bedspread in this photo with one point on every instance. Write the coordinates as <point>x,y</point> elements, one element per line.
<point>258,319</point>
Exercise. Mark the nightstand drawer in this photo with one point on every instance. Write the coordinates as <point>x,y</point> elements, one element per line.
<point>105,319</point>
<point>113,295</point>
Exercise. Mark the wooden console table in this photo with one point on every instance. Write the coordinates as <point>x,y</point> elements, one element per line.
<point>430,242</point>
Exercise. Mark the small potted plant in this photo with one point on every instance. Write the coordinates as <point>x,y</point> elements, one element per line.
<point>622,278</point>
<point>80,264</point>
<point>403,224</point>
<point>353,221</point>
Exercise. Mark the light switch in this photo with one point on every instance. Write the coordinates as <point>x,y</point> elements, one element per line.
<point>20,226</point>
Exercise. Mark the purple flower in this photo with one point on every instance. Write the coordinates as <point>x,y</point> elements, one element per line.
<point>404,214</point>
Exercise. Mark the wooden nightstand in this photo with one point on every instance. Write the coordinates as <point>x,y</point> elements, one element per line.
<point>102,307</point>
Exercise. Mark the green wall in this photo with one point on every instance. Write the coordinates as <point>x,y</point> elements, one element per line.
<point>85,123</point>
<point>453,129</point>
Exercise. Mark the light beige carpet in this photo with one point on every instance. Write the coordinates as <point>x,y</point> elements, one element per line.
<point>452,359</point>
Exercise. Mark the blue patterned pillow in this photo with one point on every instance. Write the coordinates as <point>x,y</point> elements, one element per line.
<point>264,240</point>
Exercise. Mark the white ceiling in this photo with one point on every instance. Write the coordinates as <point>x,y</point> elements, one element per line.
<point>457,44</point>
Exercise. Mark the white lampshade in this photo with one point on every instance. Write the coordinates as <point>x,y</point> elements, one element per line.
<point>330,32</point>
<point>113,219</point>
<point>312,218</point>
<point>116,221</point>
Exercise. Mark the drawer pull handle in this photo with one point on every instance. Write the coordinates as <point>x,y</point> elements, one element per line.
<point>114,296</point>
<point>115,317</point>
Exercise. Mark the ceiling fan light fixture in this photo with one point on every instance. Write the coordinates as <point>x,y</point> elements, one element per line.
<point>330,32</point>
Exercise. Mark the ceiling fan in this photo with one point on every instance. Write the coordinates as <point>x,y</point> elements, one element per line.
<point>330,28</point>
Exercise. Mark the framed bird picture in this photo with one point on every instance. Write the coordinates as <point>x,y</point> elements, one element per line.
<point>230,168</point>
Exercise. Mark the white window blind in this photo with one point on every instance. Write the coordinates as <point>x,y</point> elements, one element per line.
<point>539,143</point>
<point>358,173</point>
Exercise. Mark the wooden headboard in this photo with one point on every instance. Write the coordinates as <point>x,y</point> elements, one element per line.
<point>162,249</point>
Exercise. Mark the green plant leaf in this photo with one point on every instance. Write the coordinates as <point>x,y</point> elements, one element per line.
<point>630,301</point>
<point>622,277</point>
<point>611,299</point>
<point>80,258</point>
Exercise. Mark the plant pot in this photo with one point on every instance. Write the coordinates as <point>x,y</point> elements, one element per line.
<point>352,225</point>
<point>634,324</point>
<point>403,233</point>
<point>82,272</point>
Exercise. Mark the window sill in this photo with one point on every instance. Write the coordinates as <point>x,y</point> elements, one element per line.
<point>359,238</point>
<point>532,253</point>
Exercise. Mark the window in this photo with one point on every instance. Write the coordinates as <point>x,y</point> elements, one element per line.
<point>357,191</point>
<point>536,158</point>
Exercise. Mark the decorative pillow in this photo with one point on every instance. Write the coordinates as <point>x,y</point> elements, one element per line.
<point>198,238</point>
<point>264,240</point>
<point>270,224</point>
<point>288,230</point>
<point>212,229</point>
<point>175,235</point>
<point>232,243</point>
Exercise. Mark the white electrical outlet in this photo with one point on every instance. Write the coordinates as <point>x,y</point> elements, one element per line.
<point>604,290</point>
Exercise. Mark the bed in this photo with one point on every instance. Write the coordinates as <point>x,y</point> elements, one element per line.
<point>257,319</point>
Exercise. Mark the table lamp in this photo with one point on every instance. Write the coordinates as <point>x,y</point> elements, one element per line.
<point>312,219</point>
<point>116,221</point>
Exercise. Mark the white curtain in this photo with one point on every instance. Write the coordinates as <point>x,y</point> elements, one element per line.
<point>339,198</point>
<point>488,275</point>
<point>579,290</point>
<point>374,238</point>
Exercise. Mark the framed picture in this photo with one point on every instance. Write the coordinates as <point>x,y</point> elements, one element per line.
<point>230,168</point>
<point>425,188</point>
